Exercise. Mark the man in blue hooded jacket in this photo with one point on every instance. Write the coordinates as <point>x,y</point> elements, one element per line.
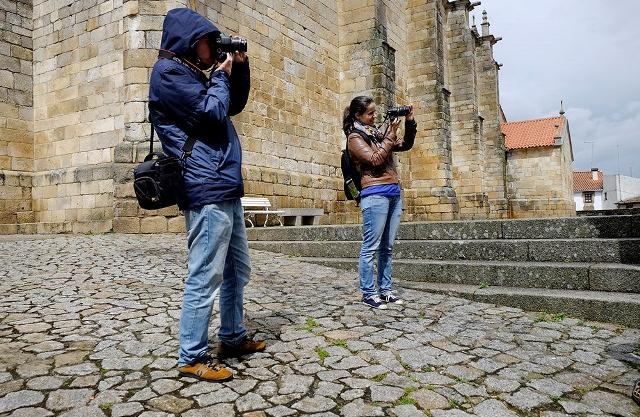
<point>185,103</point>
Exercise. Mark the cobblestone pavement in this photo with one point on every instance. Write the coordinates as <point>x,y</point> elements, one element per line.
<point>88,328</point>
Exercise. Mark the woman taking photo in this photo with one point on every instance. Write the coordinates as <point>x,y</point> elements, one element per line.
<point>372,153</point>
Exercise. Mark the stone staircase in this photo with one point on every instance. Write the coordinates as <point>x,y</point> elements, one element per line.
<point>587,267</point>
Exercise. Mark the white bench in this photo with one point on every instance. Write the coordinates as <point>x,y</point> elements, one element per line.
<point>258,205</point>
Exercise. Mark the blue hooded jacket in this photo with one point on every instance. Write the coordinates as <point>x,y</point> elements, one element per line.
<point>183,103</point>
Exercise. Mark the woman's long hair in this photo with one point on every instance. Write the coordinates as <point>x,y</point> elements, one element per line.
<point>358,106</point>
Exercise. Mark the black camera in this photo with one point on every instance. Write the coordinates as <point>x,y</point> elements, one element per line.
<point>223,44</point>
<point>393,112</point>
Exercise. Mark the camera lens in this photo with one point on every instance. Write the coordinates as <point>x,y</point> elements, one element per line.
<point>231,44</point>
<point>399,111</point>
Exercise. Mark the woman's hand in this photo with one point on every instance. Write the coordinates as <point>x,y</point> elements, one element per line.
<point>410,115</point>
<point>395,123</point>
<point>393,126</point>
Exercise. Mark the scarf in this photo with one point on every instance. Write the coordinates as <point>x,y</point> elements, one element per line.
<point>370,130</point>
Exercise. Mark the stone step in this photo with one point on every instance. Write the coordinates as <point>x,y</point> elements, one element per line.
<point>627,226</point>
<point>549,275</point>
<point>610,307</point>
<point>625,251</point>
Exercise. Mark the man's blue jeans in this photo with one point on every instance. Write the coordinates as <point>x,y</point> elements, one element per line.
<point>380,222</point>
<point>218,262</point>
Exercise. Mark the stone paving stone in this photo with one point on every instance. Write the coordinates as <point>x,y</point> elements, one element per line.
<point>314,404</point>
<point>450,413</point>
<point>105,334</point>
<point>526,399</point>
<point>359,408</point>
<point>429,400</point>
<point>127,409</point>
<point>501,385</point>
<point>493,408</point>
<point>280,411</point>
<point>31,412</point>
<point>68,398</point>
<point>19,399</point>
<point>385,393</point>
<point>86,411</point>
<point>352,394</point>
<point>407,410</point>
<point>615,404</point>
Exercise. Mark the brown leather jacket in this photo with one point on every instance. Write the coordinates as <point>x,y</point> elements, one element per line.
<point>374,159</point>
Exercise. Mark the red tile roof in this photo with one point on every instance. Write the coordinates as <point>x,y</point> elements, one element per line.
<point>532,133</point>
<point>583,181</point>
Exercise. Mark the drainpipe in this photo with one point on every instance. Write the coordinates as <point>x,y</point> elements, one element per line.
<point>504,180</point>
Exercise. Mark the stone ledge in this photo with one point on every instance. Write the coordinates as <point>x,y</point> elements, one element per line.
<point>597,306</point>
<point>620,251</point>
<point>92,227</point>
<point>558,228</point>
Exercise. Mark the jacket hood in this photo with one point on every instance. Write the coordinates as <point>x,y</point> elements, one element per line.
<point>182,28</point>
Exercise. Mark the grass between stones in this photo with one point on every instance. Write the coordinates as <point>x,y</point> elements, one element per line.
<point>406,399</point>
<point>340,343</point>
<point>309,325</point>
<point>379,378</point>
<point>67,382</point>
<point>544,316</point>
<point>453,403</point>
<point>105,406</point>
<point>322,354</point>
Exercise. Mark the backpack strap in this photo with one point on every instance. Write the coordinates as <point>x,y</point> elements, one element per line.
<point>362,134</point>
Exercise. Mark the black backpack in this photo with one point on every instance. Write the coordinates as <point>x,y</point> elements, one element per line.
<point>350,173</point>
<point>158,181</point>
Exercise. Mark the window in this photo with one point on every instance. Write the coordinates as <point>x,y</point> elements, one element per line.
<point>588,197</point>
<point>605,196</point>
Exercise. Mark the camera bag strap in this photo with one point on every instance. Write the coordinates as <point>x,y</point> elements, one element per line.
<point>187,148</point>
<point>164,54</point>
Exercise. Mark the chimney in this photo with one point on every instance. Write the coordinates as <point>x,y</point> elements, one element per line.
<point>594,174</point>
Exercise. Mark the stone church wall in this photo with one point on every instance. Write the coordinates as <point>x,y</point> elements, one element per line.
<point>16,113</point>
<point>78,112</point>
<point>87,122</point>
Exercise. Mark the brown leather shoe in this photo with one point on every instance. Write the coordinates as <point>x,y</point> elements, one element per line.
<point>247,347</point>
<point>206,370</point>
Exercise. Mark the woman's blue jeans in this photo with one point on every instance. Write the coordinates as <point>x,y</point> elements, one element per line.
<point>218,262</point>
<point>380,222</point>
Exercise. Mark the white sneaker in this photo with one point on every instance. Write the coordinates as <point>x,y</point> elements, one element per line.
<point>389,297</point>
<point>374,302</point>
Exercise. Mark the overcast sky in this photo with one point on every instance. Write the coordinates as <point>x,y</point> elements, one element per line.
<point>585,52</point>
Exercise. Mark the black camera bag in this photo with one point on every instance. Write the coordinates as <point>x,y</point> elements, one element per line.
<point>159,182</point>
<point>350,173</point>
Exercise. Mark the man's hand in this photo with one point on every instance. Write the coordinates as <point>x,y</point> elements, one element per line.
<point>226,65</point>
